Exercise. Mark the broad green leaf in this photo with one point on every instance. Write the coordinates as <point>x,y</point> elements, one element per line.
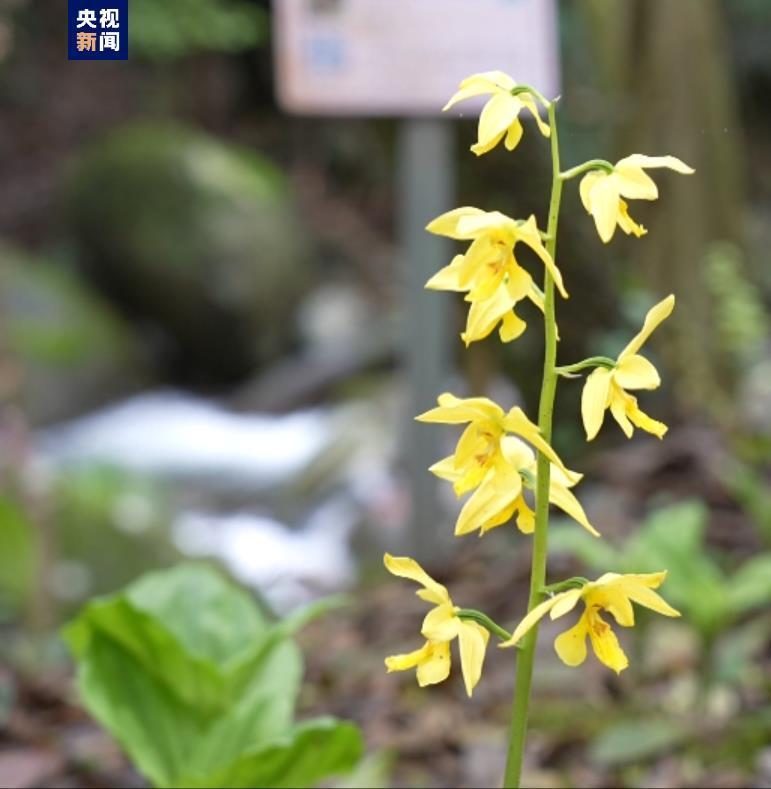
<point>209,616</point>
<point>625,742</point>
<point>187,626</point>
<point>673,539</point>
<point>311,752</point>
<point>166,736</point>
<point>750,585</point>
<point>199,689</point>
<point>157,730</point>
<point>193,680</point>
<point>264,711</point>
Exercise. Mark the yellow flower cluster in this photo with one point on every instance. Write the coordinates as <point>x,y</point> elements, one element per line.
<point>495,458</point>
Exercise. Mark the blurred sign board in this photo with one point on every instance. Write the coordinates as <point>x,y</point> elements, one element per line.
<point>406,57</point>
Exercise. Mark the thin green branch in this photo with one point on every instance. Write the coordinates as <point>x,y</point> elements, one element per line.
<point>482,619</point>
<point>593,361</point>
<point>576,582</point>
<point>592,164</point>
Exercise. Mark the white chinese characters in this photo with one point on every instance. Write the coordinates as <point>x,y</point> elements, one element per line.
<point>109,18</point>
<point>86,18</point>
<point>109,41</point>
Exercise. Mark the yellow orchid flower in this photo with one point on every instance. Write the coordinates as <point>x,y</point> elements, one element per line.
<point>602,192</point>
<point>606,388</point>
<point>496,464</point>
<point>499,118</point>
<point>489,272</point>
<point>440,626</point>
<point>500,495</point>
<point>611,592</point>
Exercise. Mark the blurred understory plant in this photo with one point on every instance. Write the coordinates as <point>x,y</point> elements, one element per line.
<point>200,688</point>
<point>175,28</point>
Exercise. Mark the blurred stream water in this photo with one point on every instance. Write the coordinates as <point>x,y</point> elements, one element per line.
<point>275,498</point>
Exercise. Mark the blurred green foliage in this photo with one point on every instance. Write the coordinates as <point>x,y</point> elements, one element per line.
<point>157,209</point>
<point>743,324</point>
<point>200,688</point>
<point>175,28</point>
<point>672,538</point>
<point>112,523</point>
<point>17,558</point>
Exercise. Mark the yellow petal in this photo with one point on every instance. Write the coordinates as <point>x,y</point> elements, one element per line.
<point>473,640</point>
<point>613,598</point>
<point>594,400</point>
<point>408,660</point>
<point>605,643</point>
<point>480,149</point>
<point>513,136</point>
<point>535,616</point>
<point>496,494</point>
<point>503,228</point>
<point>528,233</point>
<point>440,623</point>
<point>586,186</point>
<point>404,567</point>
<point>640,419</point>
<point>641,160</point>
<point>479,84</point>
<point>567,603</point>
<point>497,115</point>
<point>472,443</point>
<point>455,411</point>
<point>473,268</point>
<point>626,223</point>
<point>518,282</point>
<point>512,326</point>
<point>500,519</point>
<point>525,516</point>
<point>484,315</point>
<point>435,667</point>
<point>635,586</point>
<point>636,372</point>
<point>517,453</point>
<point>528,101</point>
<point>645,596</point>
<point>536,296</point>
<point>447,278</point>
<point>633,183</point>
<point>571,645</point>
<point>604,203</point>
<point>446,469</point>
<point>517,422</point>
<point>447,223</point>
<point>567,502</point>
<point>656,314</point>
<point>566,480</point>
<point>620,402</point>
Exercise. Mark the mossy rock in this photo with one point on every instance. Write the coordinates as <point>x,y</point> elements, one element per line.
<point>198,239</point>
<point>72,351</point>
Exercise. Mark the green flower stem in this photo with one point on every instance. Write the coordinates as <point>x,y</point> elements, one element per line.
<point>592,361</point>
<point>485,621</point>
<point>592,164</point>
<point>526,655</point>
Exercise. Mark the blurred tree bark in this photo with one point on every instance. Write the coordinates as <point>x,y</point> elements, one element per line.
<point>667,63</point>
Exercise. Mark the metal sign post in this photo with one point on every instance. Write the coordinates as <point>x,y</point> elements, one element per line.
<point>426,189</point>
